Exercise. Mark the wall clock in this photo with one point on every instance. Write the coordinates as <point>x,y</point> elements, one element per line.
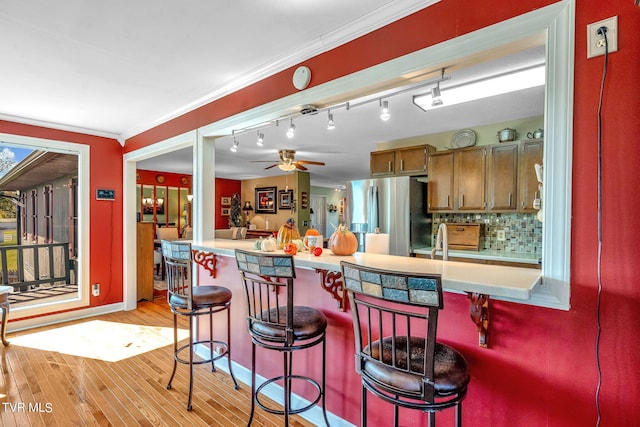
<point>160,179</point>
<point>301,77</point>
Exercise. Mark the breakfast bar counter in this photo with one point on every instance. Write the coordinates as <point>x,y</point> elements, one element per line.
<point>494,280</point>
<point>318,284</point>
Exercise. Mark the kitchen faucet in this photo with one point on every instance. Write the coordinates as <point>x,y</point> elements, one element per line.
<point>442,243</point>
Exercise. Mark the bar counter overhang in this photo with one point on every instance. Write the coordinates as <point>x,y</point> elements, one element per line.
<point>319,284</point>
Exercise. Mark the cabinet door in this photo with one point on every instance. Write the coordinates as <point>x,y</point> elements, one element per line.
<point>530,153</point>
<point>469,183</point>
<point>382,163</point>
<point>502,177</point>
<point>411,161</point>
<point>440,187</point>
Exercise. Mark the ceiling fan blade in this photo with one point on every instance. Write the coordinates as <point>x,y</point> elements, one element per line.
<point>310,162</point>
<point>299,166</point>
<point>272,166</point>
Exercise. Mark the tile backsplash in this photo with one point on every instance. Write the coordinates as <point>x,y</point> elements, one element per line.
<point>523,231</point>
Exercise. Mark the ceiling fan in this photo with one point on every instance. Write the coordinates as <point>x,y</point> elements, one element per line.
<point>288,163</point>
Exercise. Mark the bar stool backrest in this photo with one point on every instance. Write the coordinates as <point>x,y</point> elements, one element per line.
<point>268,285</point>
<point>399,310</point>
<point>177,258</point>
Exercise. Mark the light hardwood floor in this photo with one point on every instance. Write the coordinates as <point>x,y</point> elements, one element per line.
<point>52,388</point>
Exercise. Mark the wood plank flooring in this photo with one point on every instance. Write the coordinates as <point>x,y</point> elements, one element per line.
<point>49,388</point>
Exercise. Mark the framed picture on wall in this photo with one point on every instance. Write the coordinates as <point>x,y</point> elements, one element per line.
<point>285,199</point>
<point>226,211</point>
<point>266,200</point>
<point>225,201</point>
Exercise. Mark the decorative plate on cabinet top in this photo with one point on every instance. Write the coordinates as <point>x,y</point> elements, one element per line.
<point>160,179</point>
<point>463,138</point>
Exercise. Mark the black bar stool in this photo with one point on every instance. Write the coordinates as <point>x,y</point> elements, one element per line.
<point>395,316</point>
<point>275,323</point>
<point>186,299</point>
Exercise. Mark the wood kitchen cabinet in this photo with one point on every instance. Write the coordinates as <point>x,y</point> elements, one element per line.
<point>440,176</point>
<point>382,163</point>
<point>469,179</point>
<point>502,177</point>
<point>531,152</point>
<point>401,161</point>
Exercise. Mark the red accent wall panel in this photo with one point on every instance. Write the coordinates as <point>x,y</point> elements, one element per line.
<point>225,188</point>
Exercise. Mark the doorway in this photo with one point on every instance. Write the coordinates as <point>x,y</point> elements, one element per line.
<point>318,206</point>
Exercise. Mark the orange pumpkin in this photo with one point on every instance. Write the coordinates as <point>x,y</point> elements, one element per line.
<point>343,241</point>
<point>290,248</point>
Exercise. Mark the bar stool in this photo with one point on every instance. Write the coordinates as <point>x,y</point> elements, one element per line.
<point>191,301</point>
<point>275,323</point>
<point>395,316</point>
<point>4,307</point>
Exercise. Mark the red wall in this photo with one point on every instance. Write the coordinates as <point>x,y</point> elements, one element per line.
<point>225,188</point>
<point>105,224</point>
<point>540,369</point>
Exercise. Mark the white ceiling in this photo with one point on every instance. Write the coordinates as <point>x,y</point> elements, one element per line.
<point>118,68</point>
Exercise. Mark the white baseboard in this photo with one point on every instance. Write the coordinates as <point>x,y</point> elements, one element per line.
<point>275,392</point>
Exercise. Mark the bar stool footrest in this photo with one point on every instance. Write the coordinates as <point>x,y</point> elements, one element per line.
<point>291,411</point>
<point>221,345</point>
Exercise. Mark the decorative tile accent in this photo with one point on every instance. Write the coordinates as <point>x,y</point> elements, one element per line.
<point>402,288</point>
<point>265,265</point>
<point>523,230</point>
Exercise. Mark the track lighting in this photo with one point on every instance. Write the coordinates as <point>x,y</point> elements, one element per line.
<point>234,147</point>
<point>384,111</point>
<point>292,130</point>
<point>260,141</point>
<point>330,123</point>
<point>436,97</point>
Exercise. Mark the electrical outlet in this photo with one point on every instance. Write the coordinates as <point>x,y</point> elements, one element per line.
<point>95,289</point>
<point>595,41</point>
<point>501,236</point>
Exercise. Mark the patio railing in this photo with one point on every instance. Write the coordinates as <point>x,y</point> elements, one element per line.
<point>27,266</point>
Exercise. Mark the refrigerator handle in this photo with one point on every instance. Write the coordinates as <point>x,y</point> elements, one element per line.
<point>374,208</point>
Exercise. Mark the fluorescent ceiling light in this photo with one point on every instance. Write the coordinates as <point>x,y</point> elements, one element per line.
<point>492,86</point>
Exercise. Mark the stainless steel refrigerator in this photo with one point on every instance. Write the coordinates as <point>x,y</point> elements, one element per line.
<point>396,205</point>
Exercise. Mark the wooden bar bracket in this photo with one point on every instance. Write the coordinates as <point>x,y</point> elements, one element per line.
<point>331,281</point>
<point>479,312</point>
<point>207,260</point>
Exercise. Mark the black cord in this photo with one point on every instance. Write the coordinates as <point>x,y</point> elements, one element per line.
<point>603,32</point>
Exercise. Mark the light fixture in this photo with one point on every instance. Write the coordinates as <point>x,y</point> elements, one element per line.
<point>189,198</point>
<point>384,110</point>
<point>246,209</point>
<point>491,86</point>
<point>234,147</point>
<point>292,130</point>
<point>330,122</point>
<point>287,167</point>
<point>260,141</point>
<point>436,96</point>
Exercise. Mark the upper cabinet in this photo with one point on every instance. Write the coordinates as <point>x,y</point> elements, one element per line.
<point>440,176</point>
<point>530,154</point>
<point>401,161</point>
<point>456,180</point>
<point>496,178</point>
<point>502,177</point>
<point>469,179</point>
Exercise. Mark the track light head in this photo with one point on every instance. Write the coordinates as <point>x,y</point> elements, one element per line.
<point>330,122</point>
<point>384,111</point>
<point>436,96</point>
<point>292,130</point>
<point>234,147</point>
<point>260,141</point>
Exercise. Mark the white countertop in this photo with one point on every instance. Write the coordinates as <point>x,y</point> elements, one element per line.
<point>499,281</point>
<point>487,254</point>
